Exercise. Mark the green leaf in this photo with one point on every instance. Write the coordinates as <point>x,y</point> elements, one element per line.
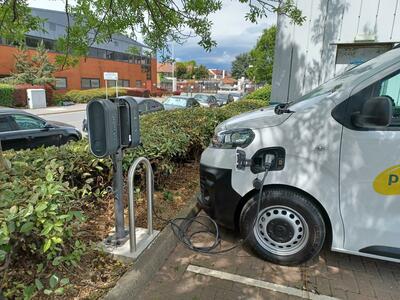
<point>29,291</point>
<point>53,281</point>
<point>56,240</point>
<point>41,207</point>
<point>27,227</point>
<point>47,292</point>
<point>2,255</point>
<point>46,245</point>
<point>59,291</point>
<point>39,284</point>
<point>64,281</point>
<point>49,177</point>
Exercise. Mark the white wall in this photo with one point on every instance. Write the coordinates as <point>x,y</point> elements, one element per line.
<point>305,56</point>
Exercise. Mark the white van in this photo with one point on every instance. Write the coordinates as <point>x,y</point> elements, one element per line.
<point>335,174</point>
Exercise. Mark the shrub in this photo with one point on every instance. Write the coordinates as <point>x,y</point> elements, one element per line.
<point>85,96</point>
<point>263,94</point>
<point>6,95</point>
<point>42,193</point>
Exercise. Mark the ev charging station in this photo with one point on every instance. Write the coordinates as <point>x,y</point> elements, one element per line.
<point>113,126</point>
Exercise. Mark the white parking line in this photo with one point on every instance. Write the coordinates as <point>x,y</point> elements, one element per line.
<point>258,283</point>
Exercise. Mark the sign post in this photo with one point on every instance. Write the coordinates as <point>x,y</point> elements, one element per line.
<point>111,76</point>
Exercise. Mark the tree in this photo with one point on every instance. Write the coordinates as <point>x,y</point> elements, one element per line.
<point>262,57</point>
<point>190,70</point>
<point>201,72</point>
<point>35,69</point>
<point>240,65</point>
<point>158,21</point>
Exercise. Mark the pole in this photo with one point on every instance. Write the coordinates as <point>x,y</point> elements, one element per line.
<point>116,88</point>
<point>106,90</point>
<point>118,198</point>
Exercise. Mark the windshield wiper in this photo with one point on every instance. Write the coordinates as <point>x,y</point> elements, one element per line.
<point>283,108</point>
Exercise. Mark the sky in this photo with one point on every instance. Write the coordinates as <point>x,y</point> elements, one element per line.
<point>233,34</point>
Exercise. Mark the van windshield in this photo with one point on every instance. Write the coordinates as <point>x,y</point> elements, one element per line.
<point>364,70</point>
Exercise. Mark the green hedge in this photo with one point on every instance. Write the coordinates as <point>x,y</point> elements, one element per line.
<point>263,94</point>
<point>85,96</point>
<point>40,195</point>
<point>6,95</point>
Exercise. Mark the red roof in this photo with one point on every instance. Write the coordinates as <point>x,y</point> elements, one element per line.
<point>164,68</point>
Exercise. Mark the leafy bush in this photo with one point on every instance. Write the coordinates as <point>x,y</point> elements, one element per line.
<point>6,95</point>
<point>41,195</point>
<point>263,94</point>
<point>85,96</point>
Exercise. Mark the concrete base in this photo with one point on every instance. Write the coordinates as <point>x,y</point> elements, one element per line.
<point>143,240</point>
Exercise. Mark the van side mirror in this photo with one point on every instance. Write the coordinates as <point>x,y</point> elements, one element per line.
<point>375,112</point>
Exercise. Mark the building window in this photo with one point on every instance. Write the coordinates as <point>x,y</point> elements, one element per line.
<point>121,83</point>
<point>90,83</point>
<point>138,83</point>
<point>61,83</point>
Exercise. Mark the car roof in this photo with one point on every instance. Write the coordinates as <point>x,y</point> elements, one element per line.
<point>181,97</point>
<point>7,110</point>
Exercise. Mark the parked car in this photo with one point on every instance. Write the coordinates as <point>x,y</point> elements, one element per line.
<point>146,105</point>
<point>224,98</point>
<point>22,130</point>
<point>237,95</point>
<point>206,100</point>
<point>334,169</point>
<point>176,102</point>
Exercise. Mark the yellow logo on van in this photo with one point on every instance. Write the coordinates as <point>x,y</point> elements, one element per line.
<point>388,182</point>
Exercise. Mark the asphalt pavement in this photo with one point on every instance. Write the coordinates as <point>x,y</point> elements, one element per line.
<point>72,115</point>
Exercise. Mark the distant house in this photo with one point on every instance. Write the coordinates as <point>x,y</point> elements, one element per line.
<point>164,71</point>
<point>216,74</point>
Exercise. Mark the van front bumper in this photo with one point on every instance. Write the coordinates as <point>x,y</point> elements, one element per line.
<point>218,199</point>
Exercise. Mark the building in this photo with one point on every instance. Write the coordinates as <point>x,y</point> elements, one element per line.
<point>134,70</point>
<point>216,74</point>
<point>336,35</point>
<point>164,74</point>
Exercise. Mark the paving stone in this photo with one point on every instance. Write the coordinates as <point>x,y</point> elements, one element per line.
<point>355,296</point>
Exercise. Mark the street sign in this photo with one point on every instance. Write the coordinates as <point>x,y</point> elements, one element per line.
<point>110,76</point>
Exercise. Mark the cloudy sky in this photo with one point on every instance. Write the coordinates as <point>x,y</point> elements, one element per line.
<point>234,35</point>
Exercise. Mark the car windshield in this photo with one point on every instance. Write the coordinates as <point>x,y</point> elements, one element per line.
<point>176,101</point>
<point>222,96</point>
<point>363,70</point>
<point>201,98</point>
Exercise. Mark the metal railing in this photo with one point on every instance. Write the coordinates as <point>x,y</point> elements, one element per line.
<point>131,200</point>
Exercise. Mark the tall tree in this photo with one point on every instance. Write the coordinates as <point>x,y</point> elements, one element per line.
<point>35,69</point>
<point>201,72</point>
<point>158,21</point>
<point>262,57</point>
<point>240,65</point>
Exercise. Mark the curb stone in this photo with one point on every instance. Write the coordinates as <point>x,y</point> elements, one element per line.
<point>133,281</point>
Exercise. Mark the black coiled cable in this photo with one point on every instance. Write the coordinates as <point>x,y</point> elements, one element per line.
<point>181,227</point>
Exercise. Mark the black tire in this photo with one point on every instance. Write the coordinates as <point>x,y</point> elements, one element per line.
<point>299,238</point>
<point>71,138</point>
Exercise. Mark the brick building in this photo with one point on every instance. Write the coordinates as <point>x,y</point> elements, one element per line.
<point>134,70</point>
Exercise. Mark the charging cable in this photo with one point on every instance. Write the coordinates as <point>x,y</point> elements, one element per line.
<point>181,226</point>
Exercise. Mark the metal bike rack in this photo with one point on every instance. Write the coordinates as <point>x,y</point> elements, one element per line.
<point>137,249</point>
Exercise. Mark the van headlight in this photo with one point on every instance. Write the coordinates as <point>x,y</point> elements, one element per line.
<point>230,139</point>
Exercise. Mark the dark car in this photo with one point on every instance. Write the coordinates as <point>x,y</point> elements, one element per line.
<point>146,105</point>
<point>206,100</point>
<point>176,102</point>
<point>22,130</point>
<point>224,98</point>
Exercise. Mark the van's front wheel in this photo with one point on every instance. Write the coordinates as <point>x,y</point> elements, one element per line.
<point>288,230</point>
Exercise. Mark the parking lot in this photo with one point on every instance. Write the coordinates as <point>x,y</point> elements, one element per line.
<point>240,275</point>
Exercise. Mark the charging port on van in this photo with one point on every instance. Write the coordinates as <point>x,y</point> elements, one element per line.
<point>258,159</point>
